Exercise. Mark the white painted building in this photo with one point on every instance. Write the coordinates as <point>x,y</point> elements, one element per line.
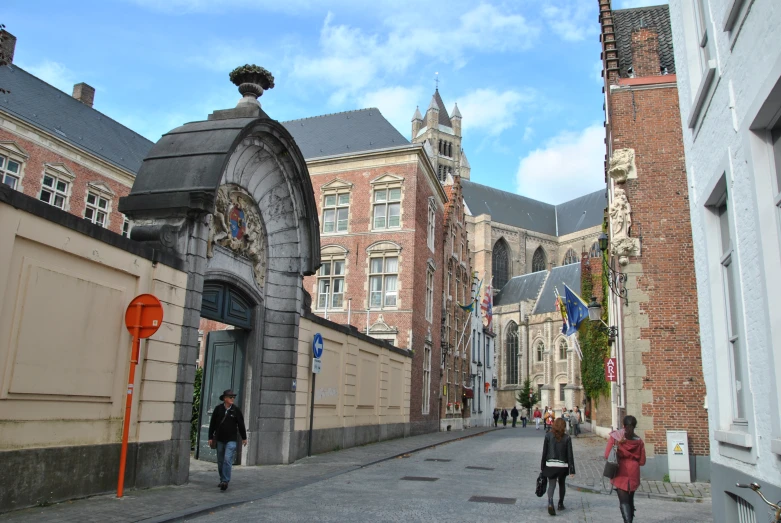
<point>482,371</point>
<point>728,57</point>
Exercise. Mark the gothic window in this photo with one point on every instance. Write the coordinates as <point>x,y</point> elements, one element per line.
<point>539,260</point>
<point>512,353</point>
<point>594,252</point>
<point>563,350</point>
<point>539,349</point>
<point>500,264</point>
<point>570,258</point>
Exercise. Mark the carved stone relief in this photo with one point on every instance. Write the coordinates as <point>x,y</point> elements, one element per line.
<point>236,225</point>
<point>620,222</point>
<point>622,165</point>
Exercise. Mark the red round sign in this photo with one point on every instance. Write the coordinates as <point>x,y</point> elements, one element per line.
<point>144,315</point>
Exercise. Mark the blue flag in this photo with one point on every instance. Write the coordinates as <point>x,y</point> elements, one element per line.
<point>577,311</point>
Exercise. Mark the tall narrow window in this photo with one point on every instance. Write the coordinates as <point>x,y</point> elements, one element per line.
<point>731,307</point>
<point>9,172</point>
<point>571,257</point>
<point>126,226</point>
<point>563,350</point>
<point>500,263</point>
<point>426,378</point>
<point>382,282</point>
<point>539,260</point>
<point>432,217</point>
<point>511,341</point>
<point>330,285</point>
<point>387,208</point>
<point>54,191</point>
<point>429,295</point>
<point>336,209</point>
<point>97,209</point>
<point>540,350</point>
<point>562,386</point>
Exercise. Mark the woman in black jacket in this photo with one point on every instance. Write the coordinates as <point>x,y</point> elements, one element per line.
<point>558,460</point>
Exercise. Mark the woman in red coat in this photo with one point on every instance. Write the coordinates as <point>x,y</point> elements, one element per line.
<point>631,456</point>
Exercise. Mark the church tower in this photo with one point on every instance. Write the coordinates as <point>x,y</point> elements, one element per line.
<point>443,134</point>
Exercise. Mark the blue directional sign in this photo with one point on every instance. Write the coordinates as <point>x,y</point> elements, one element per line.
<point>317,345</point>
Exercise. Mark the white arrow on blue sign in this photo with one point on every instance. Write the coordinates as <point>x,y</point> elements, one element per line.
<point>317,345</point>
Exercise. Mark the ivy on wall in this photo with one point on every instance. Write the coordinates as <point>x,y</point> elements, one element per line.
<point>594,342</point>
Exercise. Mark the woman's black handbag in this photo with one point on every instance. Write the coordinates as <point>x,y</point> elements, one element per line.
<point>542,485</point>
<point>611,465</point>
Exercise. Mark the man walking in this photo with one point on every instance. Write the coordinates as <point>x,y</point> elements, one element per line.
<point>226,424</point>
<point>537,417</point>
<point>575,419</point>
<point>514,414</point>
<point>504,417</point>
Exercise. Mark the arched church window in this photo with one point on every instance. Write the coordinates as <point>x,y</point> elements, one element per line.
<point>500,264</point>
<point>571,257</point>
<point>512,353</point>
<point>539,349</point>
<point>539,260</point>
<point>563,350</point>
<point>594,252</point>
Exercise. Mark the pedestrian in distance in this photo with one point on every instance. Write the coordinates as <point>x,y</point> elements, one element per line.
<point>630,451</point>
<point>496,417</point>
<point>524,418</point>
<point>514,414</point>
<point>558,461</point>
<point>567,415</point>
<point>537,417</point>
<point>576,419</point>
<point>549,417</point>
<point>226,425</point>
<point>504,417</point>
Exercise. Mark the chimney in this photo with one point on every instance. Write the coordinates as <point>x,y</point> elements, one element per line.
<point>7,47</point>
<point>645,52</point>
<point>84,93</point>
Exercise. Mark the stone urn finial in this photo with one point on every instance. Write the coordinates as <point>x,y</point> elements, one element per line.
<point>252,80</point>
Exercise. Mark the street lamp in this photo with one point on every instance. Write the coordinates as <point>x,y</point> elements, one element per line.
<point>615,280</point>
<point>595,316</point>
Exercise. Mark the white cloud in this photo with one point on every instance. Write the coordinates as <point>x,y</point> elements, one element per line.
<point>627,4</point>
<point>395,104</point>
<point>491,111</point>
<point>571,20</point>
<point>351,60</point>
<point>54,73</point>
<point>568,165</point>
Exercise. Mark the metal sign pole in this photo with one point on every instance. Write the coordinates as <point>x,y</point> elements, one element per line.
<point>129,401</point>
<point>311,416</point>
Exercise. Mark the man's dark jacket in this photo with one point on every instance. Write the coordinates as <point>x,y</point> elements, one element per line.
<point>514,413</point>
<point>225,431</point>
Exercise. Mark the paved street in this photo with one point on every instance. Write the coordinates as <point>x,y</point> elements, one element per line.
<point>445,489</point>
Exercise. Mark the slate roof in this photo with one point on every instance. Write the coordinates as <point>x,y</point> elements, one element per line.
<point>46,107</point>
<point>566,274</point>
<point>444,119</point>
<point>347,132</point>
<point>627,20</point>
<point>519,288</point>
<point>519,211</point>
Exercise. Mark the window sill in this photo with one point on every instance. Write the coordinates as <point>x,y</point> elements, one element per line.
<point>385,229</point>
<point>775,446</point>
<point>339,233</point>
<point>702,92</point>
<point>734,437</point>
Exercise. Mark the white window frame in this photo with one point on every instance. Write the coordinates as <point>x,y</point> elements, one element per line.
<point>432,218</point>
<point>389,199</point>
<point>700,54</point>
<point>328,279</point>
<point>58,174</point>
<point>93,212</point>
<point>11,152</point>
<point>127,226</point>
<point>426,379</point>
<point>339,226</point>
<point>385,276</point>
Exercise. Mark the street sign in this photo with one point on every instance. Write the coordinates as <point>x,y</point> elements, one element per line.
<point>317,345</point>
<point>143,317</point>
<point>611,373</point>
<point>317,353</point>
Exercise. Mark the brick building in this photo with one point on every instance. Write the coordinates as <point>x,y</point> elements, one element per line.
<point>660,379</point>
<point>728,60</point>
<point>61,150</point>
<point>381,211</point>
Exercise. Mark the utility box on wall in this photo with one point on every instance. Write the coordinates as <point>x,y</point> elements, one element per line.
<point>678,456</point>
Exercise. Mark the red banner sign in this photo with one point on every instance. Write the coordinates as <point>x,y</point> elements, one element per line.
<point>611,369</point>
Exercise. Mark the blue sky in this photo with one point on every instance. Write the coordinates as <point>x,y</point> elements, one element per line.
<point>525,73</point>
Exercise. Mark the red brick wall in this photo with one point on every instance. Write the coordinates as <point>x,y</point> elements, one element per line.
<point>645,52</point>
<point>648,121</point>
<point>33,178</point>
<point>410,316</point>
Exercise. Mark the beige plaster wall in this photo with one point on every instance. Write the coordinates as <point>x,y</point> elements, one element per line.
<point>64,349</point>
<point>360,384</point>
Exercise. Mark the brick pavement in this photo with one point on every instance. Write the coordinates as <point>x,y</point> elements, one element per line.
<point>589,451</point>
<point>201,495</point>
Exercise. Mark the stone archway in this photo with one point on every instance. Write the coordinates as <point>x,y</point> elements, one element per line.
<point>178,205</point>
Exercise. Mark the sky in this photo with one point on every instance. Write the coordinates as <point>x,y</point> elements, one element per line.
<point>525,73</point>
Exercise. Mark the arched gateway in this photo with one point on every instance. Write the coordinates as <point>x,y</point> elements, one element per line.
<point>232,196</point>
